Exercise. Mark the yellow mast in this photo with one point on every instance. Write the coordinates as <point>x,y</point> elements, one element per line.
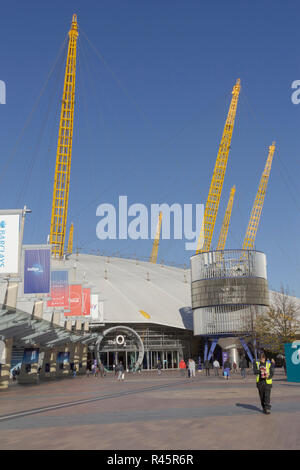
<point>64,150</point>
<point>226,221</point>
<point>250,236</point>
<point>215,190</point>
<point>154,253</point>
<point>70,241</point>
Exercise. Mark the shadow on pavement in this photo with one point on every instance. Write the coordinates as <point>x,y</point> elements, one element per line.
<point>249,407</point>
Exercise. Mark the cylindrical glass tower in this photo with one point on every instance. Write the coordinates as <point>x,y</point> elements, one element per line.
<point>228,288</point>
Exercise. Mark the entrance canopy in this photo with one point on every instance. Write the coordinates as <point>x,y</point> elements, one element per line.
<point>27,330</point>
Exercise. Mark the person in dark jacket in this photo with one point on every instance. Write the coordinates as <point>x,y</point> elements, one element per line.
<point>159,367</point>
<point>207,367</point>
<point>243,366</point>
<point>226,369</point>
<point>120,371</point>
<point>264,372</point>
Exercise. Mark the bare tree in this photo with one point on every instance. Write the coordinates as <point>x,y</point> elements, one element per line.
<point>280,323</point>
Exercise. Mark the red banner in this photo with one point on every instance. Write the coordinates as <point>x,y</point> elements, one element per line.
<point>75,300</point>
<point>86,301</point>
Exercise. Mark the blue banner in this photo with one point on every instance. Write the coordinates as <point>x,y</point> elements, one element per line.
<point>246,348</point>
<point>224,356</point>
<point>31,356</point>
<point>37,271</point>
<point>63,357</point>
<point>292,358</point>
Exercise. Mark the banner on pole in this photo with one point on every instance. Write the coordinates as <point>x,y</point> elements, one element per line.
<point>9,243</point>
<point>86,301</point>
<point>59,289</point>
<point>75,296</point>
<point>224,356</point>
<point>97,312</point>
<point>37,271</point>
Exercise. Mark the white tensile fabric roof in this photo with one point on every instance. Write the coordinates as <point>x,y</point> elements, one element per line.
<point>165,298</point>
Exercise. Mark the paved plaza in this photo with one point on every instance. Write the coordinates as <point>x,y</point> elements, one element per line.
<point>148,411</point>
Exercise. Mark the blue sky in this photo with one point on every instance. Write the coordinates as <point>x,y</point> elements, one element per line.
<point>149,118</point>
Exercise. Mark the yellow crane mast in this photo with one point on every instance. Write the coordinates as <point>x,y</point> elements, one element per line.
<point>226,221</point>
<point>70,241</point>
<point>249,239</point>
<point>64,150</point>
<point>154,253</point>
<point>215,190</point>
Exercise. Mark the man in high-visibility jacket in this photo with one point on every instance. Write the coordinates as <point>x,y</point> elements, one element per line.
<point>264,372</point>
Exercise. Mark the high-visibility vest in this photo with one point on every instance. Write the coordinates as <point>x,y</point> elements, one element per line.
<point>268,366</point>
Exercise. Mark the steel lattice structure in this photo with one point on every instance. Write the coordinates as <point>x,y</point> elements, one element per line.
<point>64,150</point>
<point>154,253</point>
<point>215,190</point>
<point>250,236</point>
<point>226,221</point>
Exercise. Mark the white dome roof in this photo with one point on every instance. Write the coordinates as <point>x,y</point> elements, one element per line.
<point>127,294</point>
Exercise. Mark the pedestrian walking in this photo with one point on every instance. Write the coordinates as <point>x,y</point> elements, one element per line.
<point>102,370</point>
<point>207,367</point>
<point>216,366</point>
<point>120,371</point>
<point>234,367</point>
<point>192,368</point>
<point>182,367</point>
<point>264,372</point>
<point>74,371</point>
<point>243,365</point>
<point>227,369</point>
<point>159,367</point>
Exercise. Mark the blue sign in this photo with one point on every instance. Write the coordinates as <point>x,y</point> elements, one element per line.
<point>31,356</point>
<point>224,356</point>
<point>63,357</point>
<point>292,357</point>
<point>37,271</point>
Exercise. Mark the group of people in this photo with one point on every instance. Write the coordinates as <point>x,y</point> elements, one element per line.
<point>96,370</point>
<point>227,368</point>
<point>188,367</point>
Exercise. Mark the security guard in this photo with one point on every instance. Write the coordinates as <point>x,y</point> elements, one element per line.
<point>264,372</point>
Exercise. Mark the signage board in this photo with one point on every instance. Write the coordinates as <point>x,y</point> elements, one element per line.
<point>31,355</point>
<point>63,357</point>
<point>86,301</point>
<point>59,291</point>
<point>75,296</point>
<point>292,358</point>
<point>37,271</point>
<point>9,243</point>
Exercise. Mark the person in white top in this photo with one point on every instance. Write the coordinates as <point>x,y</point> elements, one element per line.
<point>216,366</point>
<point>192,367</point>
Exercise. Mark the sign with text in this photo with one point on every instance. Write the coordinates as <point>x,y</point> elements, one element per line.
<point>9,243</point>
<point>86,301</point>
<point>292,358</point>
<point>75,296</point>
<point>59,289</point>
<point>37,271</point>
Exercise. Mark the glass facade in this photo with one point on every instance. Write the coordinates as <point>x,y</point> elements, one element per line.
<point>164,344</point>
